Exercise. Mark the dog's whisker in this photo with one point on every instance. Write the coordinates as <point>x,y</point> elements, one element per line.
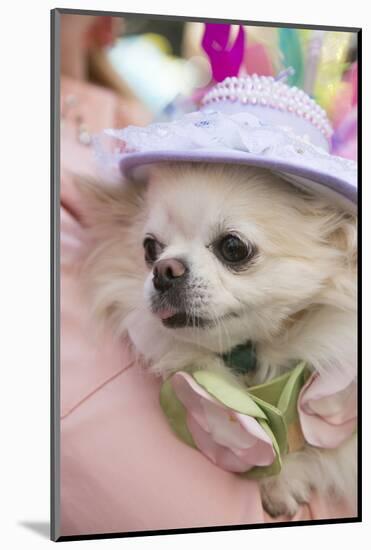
<point>218,328</point>
<point>227,334</point>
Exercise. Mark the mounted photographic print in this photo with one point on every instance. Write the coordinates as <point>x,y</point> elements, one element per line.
<point>204,350</point>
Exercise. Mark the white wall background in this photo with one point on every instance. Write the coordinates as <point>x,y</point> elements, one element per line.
<point>24,256</point>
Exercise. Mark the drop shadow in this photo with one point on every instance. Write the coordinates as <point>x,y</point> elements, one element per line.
<point>41,528</point>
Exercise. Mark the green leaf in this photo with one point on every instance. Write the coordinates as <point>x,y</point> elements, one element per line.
<point>263,471</point>
<point>289,397</point>
<point>276,422</point>
<point>271,391</point>
<point>175,412</point>
<point>228,393</point>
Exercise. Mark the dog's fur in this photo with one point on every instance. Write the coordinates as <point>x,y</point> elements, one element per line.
<point>295,299</point>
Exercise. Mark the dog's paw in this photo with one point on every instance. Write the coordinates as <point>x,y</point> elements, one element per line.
<point>280,498</point>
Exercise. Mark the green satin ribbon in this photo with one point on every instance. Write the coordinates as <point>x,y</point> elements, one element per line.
<point>273,404</point>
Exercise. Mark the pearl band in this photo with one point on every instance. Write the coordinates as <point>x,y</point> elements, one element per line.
<point>265,91</point>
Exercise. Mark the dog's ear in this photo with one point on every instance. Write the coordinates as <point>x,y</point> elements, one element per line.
<point>108,204</point>
<point>344,238</point>
<point>335,227</point>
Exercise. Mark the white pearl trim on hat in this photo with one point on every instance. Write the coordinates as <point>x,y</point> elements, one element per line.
<point>266,91</point>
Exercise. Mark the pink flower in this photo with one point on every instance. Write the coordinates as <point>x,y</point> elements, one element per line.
<point>233,441</point>
<point>327,409</point>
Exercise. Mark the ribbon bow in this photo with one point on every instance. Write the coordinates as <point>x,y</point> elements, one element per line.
<point>249,430</point>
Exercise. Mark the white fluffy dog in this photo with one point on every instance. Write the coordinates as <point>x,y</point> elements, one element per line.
<point>200,258</point>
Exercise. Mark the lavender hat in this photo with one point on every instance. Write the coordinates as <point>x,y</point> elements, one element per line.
<point>256,121</point>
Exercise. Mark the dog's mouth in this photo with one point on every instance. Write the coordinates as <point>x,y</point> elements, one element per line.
<point>172,318</point>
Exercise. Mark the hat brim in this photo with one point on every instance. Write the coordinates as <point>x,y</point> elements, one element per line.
<point>303,173</point>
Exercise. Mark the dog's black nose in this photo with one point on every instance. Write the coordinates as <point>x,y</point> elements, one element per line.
<point>168,272</point>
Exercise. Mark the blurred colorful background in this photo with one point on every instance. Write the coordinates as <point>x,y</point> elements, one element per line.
<point>167,65</point>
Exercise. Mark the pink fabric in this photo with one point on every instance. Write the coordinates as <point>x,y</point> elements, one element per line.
<point>328,409</point>
<point>122,468</point>
<point>231,440</point>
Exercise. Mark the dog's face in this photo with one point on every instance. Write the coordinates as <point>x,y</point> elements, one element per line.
<point>229,254</point>
<point>219,255</point>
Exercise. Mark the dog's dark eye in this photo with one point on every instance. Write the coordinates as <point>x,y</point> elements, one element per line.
<point>152,249</point>
<point>232,250</point>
